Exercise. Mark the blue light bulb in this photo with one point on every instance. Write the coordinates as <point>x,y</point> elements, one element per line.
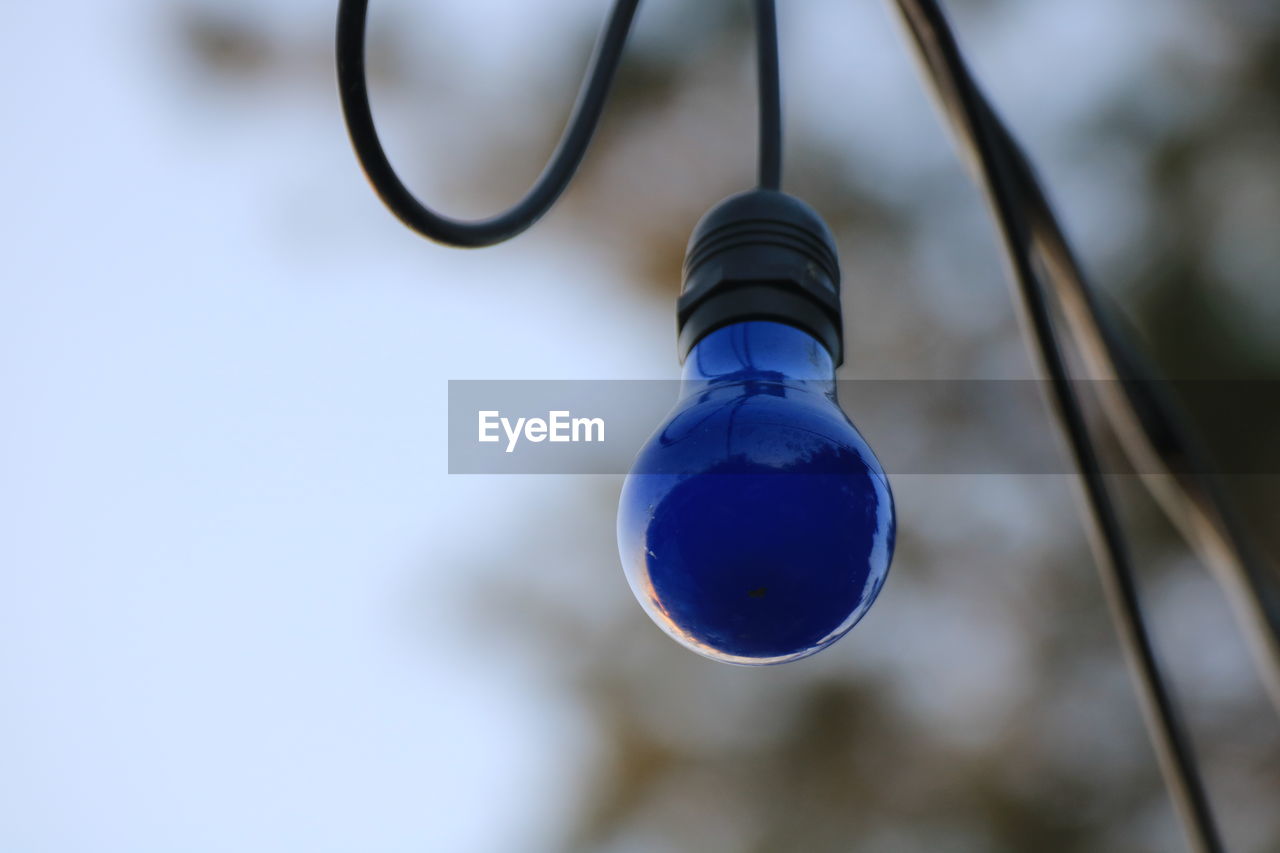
<point>756,525</point>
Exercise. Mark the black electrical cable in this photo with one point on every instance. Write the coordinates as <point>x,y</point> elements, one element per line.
<point>974,123</point>
<point>1153,431</point>
<point>768,78</point>
<point>353,90</point>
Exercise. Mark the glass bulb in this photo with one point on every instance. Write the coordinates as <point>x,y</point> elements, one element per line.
<point>756,526</point>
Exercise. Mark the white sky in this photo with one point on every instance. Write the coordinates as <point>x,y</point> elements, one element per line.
<point>224,471</point>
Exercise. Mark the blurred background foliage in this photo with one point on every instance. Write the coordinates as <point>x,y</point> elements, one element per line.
<point>983,704</point>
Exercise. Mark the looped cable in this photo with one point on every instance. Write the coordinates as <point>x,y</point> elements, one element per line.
<point>555,177</point>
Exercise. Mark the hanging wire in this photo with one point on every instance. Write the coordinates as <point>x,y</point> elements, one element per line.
<point>770,88</point>
<point>1154,434</point>
<point>353,90</point>
<point>1152,430</point>
<point>984,140</point>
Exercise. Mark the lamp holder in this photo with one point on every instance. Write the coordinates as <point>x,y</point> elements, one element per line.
<point>761,255</point>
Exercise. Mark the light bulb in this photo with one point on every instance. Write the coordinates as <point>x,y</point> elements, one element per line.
<point>756,526</point>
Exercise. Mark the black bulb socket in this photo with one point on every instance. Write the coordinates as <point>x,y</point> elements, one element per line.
<point>761,255</point>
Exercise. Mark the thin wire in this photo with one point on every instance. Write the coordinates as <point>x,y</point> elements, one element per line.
<point>353,90</point>
<point>1152,430</point>
<point>770,88</point>
<point>1154,434</point>
<point>972,118</point>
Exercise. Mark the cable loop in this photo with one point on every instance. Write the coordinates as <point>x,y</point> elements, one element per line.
<point>555,177</point>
